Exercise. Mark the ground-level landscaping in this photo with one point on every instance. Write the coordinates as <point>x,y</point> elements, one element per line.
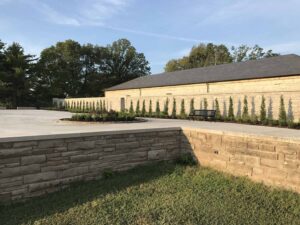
<point>165,193</point>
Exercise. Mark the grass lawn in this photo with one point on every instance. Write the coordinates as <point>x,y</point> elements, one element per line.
<point>163,193</point>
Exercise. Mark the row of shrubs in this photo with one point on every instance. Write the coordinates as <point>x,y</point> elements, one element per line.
<point>263,119</point>
<point>103,116</point>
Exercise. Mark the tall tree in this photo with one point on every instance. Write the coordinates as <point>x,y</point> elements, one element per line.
<point>16,76</point>
<point>210,54</point>
<point>122,62</point>
<point>200,56</point>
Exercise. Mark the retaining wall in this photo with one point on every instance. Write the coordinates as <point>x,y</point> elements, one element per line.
<point>272,161</point>
<point>33,166</point>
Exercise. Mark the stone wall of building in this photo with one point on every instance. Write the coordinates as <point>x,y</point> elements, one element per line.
<point>32,168</point>
<point>36,166</point>
<point>269,160</point>
<point>271,89</point>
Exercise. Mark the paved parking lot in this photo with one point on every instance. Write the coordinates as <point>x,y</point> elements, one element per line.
<point>20,123</point>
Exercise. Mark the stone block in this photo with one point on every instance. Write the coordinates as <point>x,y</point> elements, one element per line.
<point>74,172</point>
<point>271,163</point>
<point>20,170</point>
<point>24,144</point>
<point>38,177</point>
<point>27,160</point>
<point>81,145</point>
<point>51,143</point>
<point>84,158</point>
<point>127,146</point>
<point>157,154</point>
<point>267,147</point>
<point>15,152</point>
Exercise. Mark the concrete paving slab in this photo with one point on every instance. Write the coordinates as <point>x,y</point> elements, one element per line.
<point>24,123</point>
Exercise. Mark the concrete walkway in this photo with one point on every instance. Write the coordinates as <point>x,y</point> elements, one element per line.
<point>24,123</point>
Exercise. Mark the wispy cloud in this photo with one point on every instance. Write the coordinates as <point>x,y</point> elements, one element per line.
<point>96,13</point>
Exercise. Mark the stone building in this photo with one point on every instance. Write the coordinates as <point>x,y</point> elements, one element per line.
<point>270,77</point>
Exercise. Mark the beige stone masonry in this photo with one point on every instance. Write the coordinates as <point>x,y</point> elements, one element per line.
<point>33,166</point>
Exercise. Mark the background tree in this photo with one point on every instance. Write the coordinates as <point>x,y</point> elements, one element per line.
<point>122,62</point>
<point>15,78</point>
<point>210,54</point>
<point>200,56</point>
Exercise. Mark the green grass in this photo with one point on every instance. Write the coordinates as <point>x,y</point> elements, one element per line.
<point>160,194</point>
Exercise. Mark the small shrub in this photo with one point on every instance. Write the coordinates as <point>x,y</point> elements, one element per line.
<point>108,173</point>
<point>186,159</point>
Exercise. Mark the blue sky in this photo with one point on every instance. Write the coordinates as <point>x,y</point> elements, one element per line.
<point>161,29</point>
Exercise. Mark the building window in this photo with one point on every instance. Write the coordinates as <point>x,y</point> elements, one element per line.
<point>169,94</point>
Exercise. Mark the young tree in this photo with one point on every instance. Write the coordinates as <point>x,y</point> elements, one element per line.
<point>150,108</point>
<point>137,110</point>
<point>157,110</point>
<point>144,108</point>
<point>245,114</point>
<point>282,113</point>
<point>101,106</point>
<point>263,112</point>
<point>166,108</point>
<point>182,110</point>
<point>192,105</point>
<point>230,110</point>
<point>205,104</point>
<point>174,109</point>
<point>131,111</point>
<point>217,108</point>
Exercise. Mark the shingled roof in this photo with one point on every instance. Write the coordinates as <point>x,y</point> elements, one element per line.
<point>279,66</point>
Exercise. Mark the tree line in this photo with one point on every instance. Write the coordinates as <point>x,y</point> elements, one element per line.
<point>203,55</point>
<point>66,69</point>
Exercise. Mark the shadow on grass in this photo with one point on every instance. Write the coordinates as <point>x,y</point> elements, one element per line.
<point>80,193</point>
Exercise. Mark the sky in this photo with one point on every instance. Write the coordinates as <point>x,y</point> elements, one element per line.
<point>161,29</point>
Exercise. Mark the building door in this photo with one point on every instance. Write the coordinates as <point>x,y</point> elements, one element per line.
<point>122,104</point>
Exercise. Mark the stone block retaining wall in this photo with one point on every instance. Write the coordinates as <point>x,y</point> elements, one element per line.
<point>32,168</point>
<point>269,160</point>
<point>38,165</point>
